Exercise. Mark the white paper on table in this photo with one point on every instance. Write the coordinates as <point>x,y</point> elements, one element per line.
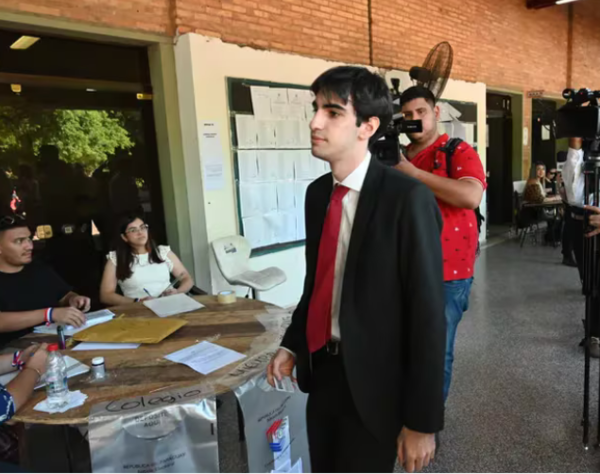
<point>285,196</point>
<point>266,133</point>
<point>287,134</point>
<point>205,357</point>
<point>92,319</point>
<point>172,304</point>
<point>246,130</point>
<point>268,165</point>
<point>285,165</point>
<point>280,111</point>
<point>211,153</point>
<point>105,346</point>
<point>470,133</point>
<point>247,165</point>
<point>303,164</point>
<point>74,367</point>
<point>76,399</point>
<point>254,231</point>
<point>278,95</point>
<point>261,101</point>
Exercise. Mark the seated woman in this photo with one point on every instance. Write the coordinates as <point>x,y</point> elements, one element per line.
<point>141,268</point>
<point>535,190</point>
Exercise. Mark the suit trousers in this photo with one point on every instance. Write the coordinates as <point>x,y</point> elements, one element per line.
<point>338,439</point>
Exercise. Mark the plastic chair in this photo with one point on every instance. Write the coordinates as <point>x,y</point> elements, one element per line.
<point>233,258</point>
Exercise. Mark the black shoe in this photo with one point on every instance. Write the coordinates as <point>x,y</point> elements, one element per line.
<point>569,262</point>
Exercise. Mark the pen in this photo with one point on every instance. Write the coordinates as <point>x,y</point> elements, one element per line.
<point>147,292</point>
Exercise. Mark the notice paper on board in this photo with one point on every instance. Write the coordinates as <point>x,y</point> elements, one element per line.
<point>211,153</point>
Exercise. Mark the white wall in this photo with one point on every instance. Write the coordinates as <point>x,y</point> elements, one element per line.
<point>203,66</point>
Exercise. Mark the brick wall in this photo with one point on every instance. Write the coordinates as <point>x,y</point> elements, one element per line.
<point>153,16</point>
<point>500,43</point>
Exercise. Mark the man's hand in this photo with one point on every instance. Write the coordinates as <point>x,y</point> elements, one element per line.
<point>170,291</point>
<point>68,317</point>
<point>594,220</point>
<point>281,365</point>
<point>28,352</point>
<point>80,302</point>
<point>415,450</point>
<point>406,166</point>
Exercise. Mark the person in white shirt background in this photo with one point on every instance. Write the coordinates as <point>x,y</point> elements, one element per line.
<point>574,182</point>
<point>140,268</point>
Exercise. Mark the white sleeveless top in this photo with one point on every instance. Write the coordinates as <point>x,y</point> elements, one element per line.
<point>154,277</point>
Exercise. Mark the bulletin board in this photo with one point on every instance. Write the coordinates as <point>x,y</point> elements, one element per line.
<point>273,164</point>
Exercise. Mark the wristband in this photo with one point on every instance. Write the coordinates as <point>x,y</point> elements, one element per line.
<point>17,362</point>
<point>48,316</point>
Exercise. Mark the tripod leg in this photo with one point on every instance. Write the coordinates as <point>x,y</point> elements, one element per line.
<point>586,381</point>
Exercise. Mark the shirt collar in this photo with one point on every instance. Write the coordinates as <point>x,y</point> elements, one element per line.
<point>356,179</point>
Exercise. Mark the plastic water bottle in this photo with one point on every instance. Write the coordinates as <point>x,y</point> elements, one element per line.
<point>57,389</point>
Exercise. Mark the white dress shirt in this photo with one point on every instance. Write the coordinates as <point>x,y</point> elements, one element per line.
<point>354,182</point>
<point>573,178</point>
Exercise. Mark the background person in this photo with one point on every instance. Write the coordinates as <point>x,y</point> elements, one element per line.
<point>140,268</point>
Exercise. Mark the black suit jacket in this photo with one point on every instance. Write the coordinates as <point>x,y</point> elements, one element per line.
<point>392,319</point>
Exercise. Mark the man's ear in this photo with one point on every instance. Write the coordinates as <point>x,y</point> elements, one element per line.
<point>369,128</point>
<point>438,112</point>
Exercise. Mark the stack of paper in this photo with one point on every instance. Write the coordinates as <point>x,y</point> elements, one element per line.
<point>97,317</point>
<point>174,304</point>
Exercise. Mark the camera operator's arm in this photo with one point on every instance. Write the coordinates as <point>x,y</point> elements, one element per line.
<point>572,173</point>
<point>465,193</point>
<point>594,220</point>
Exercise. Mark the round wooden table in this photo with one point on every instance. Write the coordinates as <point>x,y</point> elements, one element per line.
<point>142,371</point>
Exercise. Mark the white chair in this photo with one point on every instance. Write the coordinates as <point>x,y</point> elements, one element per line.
<point>233,258</point>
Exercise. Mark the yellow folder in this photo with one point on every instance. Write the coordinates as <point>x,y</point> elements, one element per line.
<point>138,330</point>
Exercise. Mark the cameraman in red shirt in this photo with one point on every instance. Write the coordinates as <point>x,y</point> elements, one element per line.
<point>458,191</point>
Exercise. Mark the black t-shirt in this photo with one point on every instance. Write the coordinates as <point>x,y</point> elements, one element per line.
<point>37,286</point>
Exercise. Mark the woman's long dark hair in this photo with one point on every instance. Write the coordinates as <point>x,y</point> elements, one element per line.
<point>125,257</point>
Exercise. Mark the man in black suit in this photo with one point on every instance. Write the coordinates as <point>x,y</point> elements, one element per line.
<point>368,336</point>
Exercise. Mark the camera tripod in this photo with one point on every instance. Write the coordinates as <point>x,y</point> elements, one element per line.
<point>591,281</point>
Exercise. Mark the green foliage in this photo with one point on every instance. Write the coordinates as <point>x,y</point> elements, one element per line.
<point>84,137</point>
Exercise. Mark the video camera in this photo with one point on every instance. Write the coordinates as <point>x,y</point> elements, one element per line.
<point>576,119</point>
<point>386,149</point>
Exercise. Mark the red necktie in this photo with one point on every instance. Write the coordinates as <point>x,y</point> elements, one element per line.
<point>318,328</point>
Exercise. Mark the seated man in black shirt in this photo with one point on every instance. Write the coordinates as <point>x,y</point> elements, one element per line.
<point>31,293</point>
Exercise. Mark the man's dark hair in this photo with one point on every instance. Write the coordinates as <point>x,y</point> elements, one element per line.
<point>417,92</point>
<point>540,163</point>
<point>12,221</point>
<point>368,92</point>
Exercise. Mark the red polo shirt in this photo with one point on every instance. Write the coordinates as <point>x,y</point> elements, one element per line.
<point>459,235</point>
